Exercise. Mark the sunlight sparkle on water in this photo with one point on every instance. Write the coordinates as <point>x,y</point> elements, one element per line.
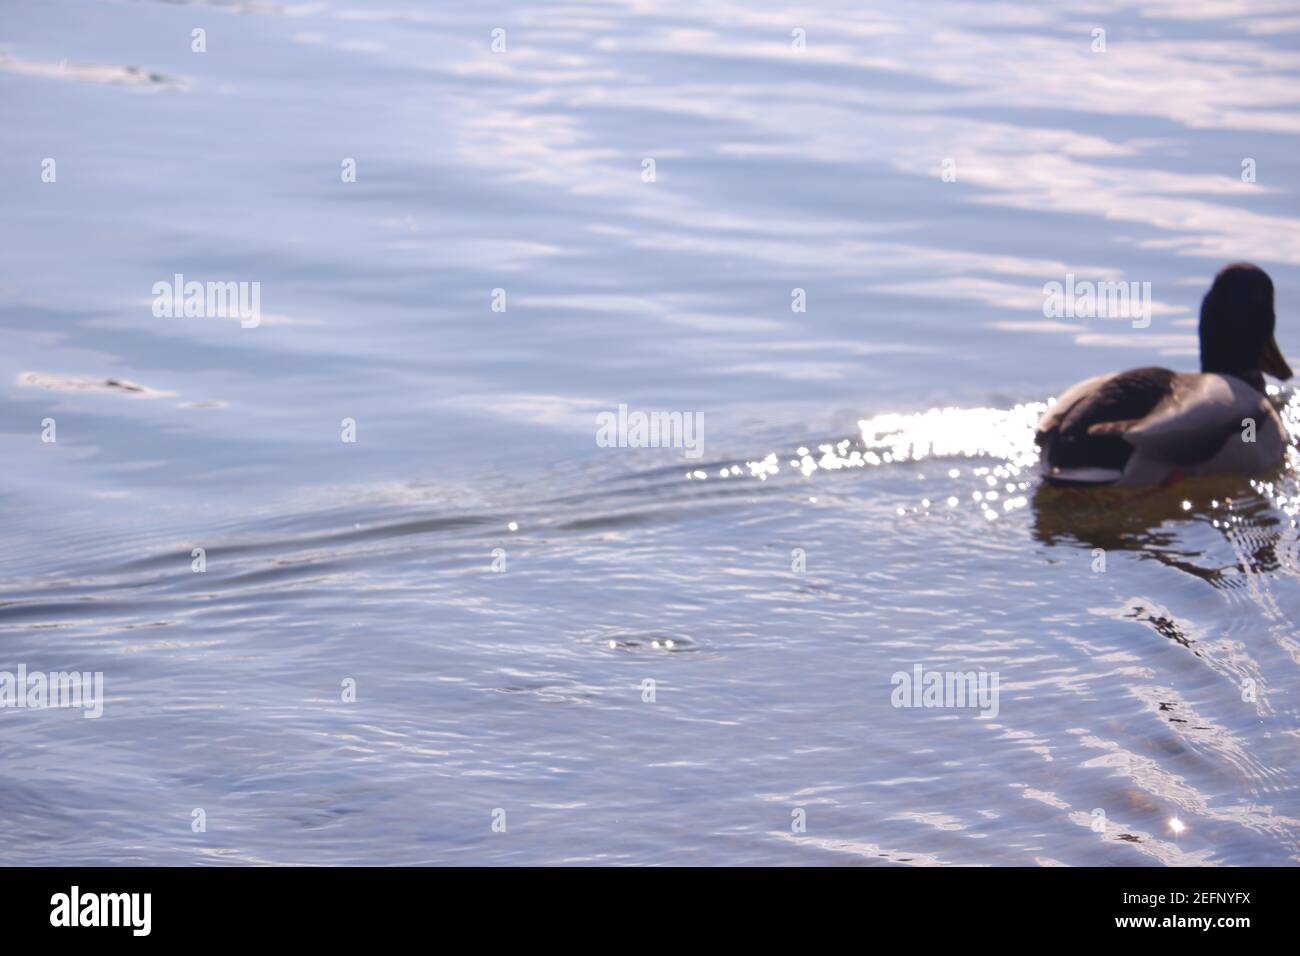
<point>1006,434</point>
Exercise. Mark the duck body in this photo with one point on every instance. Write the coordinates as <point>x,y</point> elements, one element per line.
<point>1148,426</point>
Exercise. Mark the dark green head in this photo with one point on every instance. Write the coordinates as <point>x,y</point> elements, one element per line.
<point>1237,322</point>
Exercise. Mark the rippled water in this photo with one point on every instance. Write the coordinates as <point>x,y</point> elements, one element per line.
<point>865,502</point>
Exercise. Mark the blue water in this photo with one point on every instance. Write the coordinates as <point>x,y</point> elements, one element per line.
<point>1148,713</point>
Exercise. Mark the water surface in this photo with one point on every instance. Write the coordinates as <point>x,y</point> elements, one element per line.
<point>865,501</point>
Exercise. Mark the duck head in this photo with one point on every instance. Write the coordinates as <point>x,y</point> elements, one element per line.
<point>1237,322</point>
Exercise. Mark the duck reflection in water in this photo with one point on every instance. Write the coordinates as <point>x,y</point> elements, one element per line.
<point>1152,522</point>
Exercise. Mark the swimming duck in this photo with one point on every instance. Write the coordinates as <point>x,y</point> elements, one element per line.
<point>1151,426</point>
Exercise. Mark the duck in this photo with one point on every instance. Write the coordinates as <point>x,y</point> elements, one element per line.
<point>1153,426</point>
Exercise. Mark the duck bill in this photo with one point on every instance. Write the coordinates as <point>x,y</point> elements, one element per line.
<point>1271,361</point>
